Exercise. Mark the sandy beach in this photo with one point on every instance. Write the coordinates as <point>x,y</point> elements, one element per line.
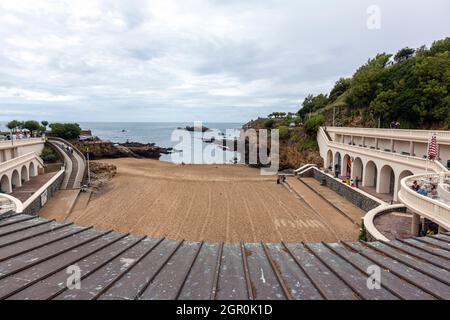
<point>229,203</point>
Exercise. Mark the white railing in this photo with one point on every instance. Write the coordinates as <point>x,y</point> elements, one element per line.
<point>42,189</point>
<point>15,162</point>
<point>444,192</point>
<point>401,134</point>
<point>417,162</point>
<point>433,209</point>
<point>6,144</point>
<point>306,166</point>
<point>10,203</point>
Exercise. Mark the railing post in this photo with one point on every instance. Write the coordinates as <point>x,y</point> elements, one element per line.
<point>415,225</point>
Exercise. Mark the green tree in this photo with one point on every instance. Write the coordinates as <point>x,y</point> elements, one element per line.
<point>66,130</point>
<point>44,124</point>
<point>269,123</point>
<point>12,125</point>
<point>404,54</point>
<point>31,125</point>
<point>312,125</point>
<point>312,103</point>
<point>367,81</point>
<point>440,46</point>
<point>49,155</point>
<point>339,88</point>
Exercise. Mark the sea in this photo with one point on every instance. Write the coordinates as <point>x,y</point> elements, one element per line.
<point>189,146</point>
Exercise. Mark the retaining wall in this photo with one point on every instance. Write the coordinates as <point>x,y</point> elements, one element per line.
<point>355,196</point>
<point>48,192</point>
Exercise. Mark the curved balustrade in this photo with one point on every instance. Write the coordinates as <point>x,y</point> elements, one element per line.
<point>416,135</point>
<point>9,203</point>
<point>444,192</point>
<point>417,162</point>
<point>433,209</point>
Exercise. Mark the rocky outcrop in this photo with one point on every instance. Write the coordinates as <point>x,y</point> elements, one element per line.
<point>108,150</point>
<point>101,170</point>
<point>195,128</point>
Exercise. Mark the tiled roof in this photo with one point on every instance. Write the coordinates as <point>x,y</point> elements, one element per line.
<point>35,254</point>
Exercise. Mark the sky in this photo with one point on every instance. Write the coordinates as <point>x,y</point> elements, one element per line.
<point>193,60</point>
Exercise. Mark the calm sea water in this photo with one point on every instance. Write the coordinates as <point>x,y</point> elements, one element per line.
<point>193,149</point>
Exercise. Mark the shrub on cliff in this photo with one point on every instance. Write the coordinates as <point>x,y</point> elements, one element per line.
<point>283,132</point>
<point>312,124</point>
<point>269,123</point>
<point>49,155</point>
<point>66,130</point>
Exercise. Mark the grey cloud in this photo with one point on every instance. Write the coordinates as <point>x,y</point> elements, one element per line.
<point>190,60</point>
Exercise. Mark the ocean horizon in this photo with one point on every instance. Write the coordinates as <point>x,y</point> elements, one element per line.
<point>161,134</point>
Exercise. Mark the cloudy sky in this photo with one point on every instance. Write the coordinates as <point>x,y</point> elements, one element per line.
<point>186,60</point>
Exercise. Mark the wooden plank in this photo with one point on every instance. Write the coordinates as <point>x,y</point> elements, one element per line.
<point>331,286</point>
<point>232,284</point>
<point>200,282</point>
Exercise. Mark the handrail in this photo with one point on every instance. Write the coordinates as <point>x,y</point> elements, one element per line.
<point>76,150</point>
<point>444,192</point>
<point>397,133</point>
<point>435,210</point>
<point>38,193</point>
<point>6,144</point>
<point>436,166</point>
<point>17,203</point>
<point>370,216</point>
<point>304,167</point>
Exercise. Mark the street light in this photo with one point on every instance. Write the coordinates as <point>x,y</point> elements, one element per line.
<point>89,171</point>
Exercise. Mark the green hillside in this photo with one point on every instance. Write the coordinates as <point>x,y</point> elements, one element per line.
<point>411,87</point>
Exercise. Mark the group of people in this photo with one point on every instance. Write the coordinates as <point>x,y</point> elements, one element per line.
<point>395,125</point>
<point>354,183</point>
<point>428,190</point>
<point>17,136</point>
<point>69,150</point>
<point>281,179</point>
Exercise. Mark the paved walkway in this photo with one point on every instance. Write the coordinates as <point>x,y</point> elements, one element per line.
<point>75,166</point>
<point>337,221</point>
<point>394,225</point>
<point>352,211</point>
<point>386,197</point>
<point>30,187</point>
<point>61,204</point>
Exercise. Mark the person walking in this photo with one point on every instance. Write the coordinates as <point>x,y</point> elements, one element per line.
<point>336,170</point>
<point>357,182</point>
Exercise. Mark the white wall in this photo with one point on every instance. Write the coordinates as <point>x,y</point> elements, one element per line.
<point>37,148</point>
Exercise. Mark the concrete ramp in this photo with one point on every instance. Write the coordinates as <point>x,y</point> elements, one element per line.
<point>61,205</point>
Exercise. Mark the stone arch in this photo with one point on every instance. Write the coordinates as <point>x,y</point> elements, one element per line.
<point>32,171</point>
<point>346,166</point>
<point>5,184</point>
<point>370,174</point>
<point>338,162</point>
<point>386,180</point>
<point>329,160</point>
<point>24,174</point>
<point>15,179</point>
<point>402,175</point>
<point>357,170</point>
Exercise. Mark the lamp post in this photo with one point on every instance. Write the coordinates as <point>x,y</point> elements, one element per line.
<point>89,170</point>
<point>334,114</point>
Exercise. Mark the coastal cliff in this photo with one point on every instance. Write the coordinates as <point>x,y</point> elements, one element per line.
<point>298,146</point>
